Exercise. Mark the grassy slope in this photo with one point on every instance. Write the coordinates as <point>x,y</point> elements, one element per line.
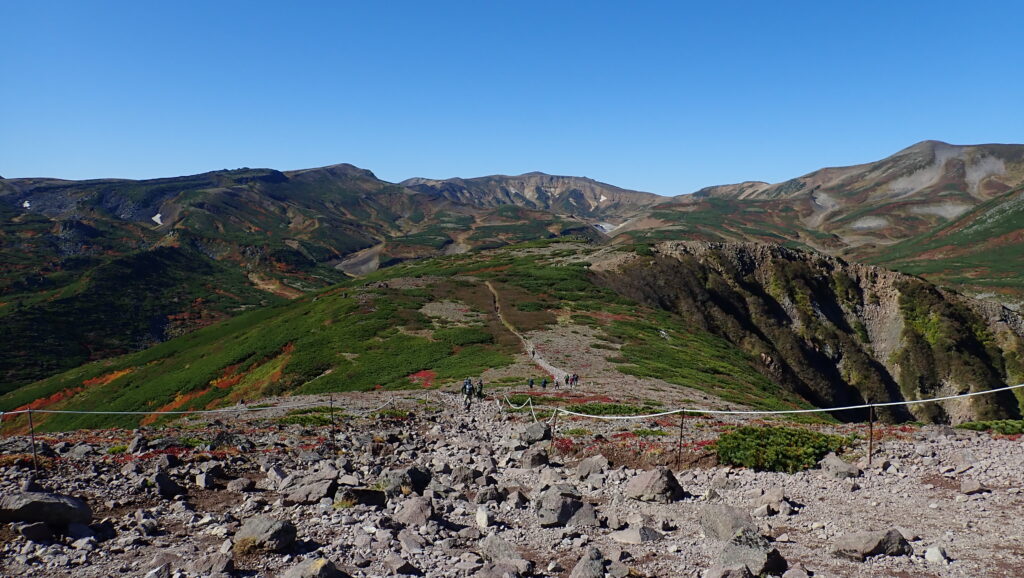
<point>360,336</point>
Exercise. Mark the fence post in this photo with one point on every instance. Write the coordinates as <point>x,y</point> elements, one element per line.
<point>334,430</point>
<point>32,436</point>
<point>679,443</point>
<point>871,433</point>
<point>554,424</point>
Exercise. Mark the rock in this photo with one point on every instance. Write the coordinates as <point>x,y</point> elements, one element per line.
<point>363,496</point>
<point>401,566</point>
<point>411,542</point>
<point>536,432</point>
<point>78,530</point>
<point>591,565</point>
<point>535,459</point>
<point>797,571</point>
<point>936,555</point>
<point>165,486</point>
<point>138,445</point>
<point>594,465</point>
<point>656,485</point>
<point>204,481</point>
<point>971,487</point>
<point>264,533</point>
<point>860,545</point>
<point>720,522</point>
<point>37,532</point>
<point>834,467</point>
<point>414,511</point>
<point>54,509</point>
<point>315,568</point>
<point>495,549</point>
<point>311,492</point>
<point>212,564</point>
<point>555,506</point>
<point>413,479</point>
<point>585,516</point>
<point>162,571</point>
<point>749,548</point>
<point>81,451</point>
<point>241,485</point>
<point>636,535</point>
<point>737,571</point>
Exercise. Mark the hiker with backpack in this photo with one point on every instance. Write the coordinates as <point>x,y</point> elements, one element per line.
<point>480,388</point>
<point>467,393</point>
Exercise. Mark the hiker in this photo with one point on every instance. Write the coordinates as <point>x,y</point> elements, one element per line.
<point>533,352</point>
<point>480,388</point>
<point>530,383</point>
<point>467,393</point>
<point>544,383</point>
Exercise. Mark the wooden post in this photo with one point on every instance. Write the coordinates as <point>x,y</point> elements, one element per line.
<point>871,433</point>
<point>334,433</point>
<point>554,424</point>
<point>679,443</point>
<point>32,435</point>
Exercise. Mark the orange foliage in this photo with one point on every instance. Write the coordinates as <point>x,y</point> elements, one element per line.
<point>50,400</point>
<point>107,378</point>
<point>175,405</point>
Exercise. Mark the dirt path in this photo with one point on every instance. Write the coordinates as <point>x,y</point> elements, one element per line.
<point>529,348</point>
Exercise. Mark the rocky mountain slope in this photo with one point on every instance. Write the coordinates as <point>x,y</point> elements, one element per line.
<point>834,332</point>
<point>753,326</point>
<point>126,264</point>
<point>577,196</point>
<point>424,487</point>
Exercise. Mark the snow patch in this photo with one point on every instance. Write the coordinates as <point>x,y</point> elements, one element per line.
<point>158,219</point>
<point>602,199</point>
<point>870,223</point>
<point>944,210</point>
<point>27,205</point>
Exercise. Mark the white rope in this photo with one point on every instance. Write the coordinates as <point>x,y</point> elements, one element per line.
<point>785,411</point>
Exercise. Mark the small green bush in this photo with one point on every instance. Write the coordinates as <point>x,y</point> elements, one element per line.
<point>1002,426</point>
<point>776,449</point>
<point>120,449</point>
<point>598,408</point>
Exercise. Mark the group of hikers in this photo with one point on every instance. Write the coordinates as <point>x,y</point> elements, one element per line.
<point>469,391</point>
<point>570,380</point>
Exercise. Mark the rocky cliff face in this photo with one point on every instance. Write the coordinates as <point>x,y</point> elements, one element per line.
<point>838,333</point>
<point>577,196</point>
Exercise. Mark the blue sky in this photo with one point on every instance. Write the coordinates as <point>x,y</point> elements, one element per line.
<point>666,97</point>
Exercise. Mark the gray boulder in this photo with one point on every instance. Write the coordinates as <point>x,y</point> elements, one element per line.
<point>165,486</point>
<point>749,548</point>
<point>414,478</point>
<point>594,465</point>
<point>636,535</point>
<point>212,564</point>
<point>721,522</point>
<point>54,509</point>
<point>266,534</point>
<point>536,432</point>
<point>500,553</point>
<point>556,505</point>
<point>414,511</point>
<point>861,545</point>
<point>738,571</point>
<point>315,568</point>
<point>311,491</point>
<point>833,466</point>
<point>591,565</point>
<point>657,485</point>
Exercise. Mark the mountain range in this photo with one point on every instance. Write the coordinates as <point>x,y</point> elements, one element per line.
<point>95,269</point>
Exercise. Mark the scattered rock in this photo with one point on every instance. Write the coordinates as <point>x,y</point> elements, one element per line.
<point>315,568</point>
<point>54,509</point>
<point>264,533</point>
<point>749,548</point>
<point>860,545</point>
<point>833,466</point>
<point>655,485</point>
<point>535,432</point>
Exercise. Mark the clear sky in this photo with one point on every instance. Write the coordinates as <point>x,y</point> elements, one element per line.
<point>666,97</point>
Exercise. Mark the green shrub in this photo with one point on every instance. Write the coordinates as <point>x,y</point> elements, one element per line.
<point>1002,426</point>
<point>120,449</point>
<point>598,408</point>
<point>777,449</point>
